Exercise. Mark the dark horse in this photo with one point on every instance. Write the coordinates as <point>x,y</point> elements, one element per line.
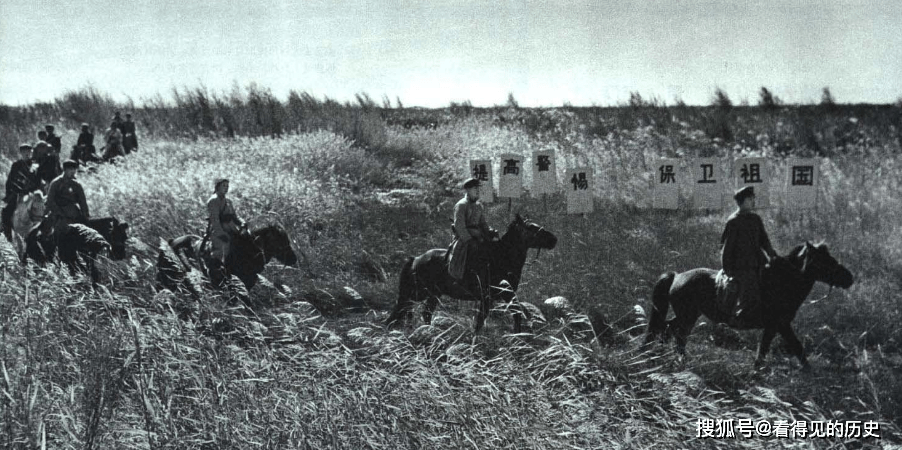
<point>426,277</point>
<point>785,284</point>
<point>79,245</point>
<point>249,254</point>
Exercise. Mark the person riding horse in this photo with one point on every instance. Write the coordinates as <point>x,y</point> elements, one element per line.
<point>22,180</point>
<point>84,150</point>
<point>467,253</point>
<point>129,136</point>
<point>47,157</point>
<point>66,203</point>
<point>223,225</point>
<point>745,244</point>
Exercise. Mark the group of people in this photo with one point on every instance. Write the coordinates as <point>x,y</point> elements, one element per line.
<point>745,244</point>
<point>120,139</point>
<point>65,197</point>
<point>745,247</point>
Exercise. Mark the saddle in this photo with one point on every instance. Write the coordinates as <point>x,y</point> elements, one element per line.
<point>727,291</point>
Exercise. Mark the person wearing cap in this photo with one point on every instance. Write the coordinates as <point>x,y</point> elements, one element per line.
<point>66,202</point>
<point>745,244</point>
<point>129,138</point>
<point>22,180</point>
<point>47,158</point>
<point>223,224</point>
<point>84,149</point>
<point>117,122</point>
<point>471,232</point>
<point>53,139</point>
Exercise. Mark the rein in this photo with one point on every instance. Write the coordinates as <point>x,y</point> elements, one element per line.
<point>811,302</point>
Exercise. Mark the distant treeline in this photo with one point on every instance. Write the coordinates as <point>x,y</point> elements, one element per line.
<point>818,129</point>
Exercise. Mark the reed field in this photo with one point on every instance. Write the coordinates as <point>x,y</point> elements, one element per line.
<point>360,187</point>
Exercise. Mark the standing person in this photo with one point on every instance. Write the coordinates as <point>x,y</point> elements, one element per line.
<point>223,225</point>
<point>745,244</point>
<point>113,143</point>
<point>129,138</point>
<point>22,179</point>
<point>53,139</point>
<point>471,233</point>
<point>66,203</point>
<point>84,149</point>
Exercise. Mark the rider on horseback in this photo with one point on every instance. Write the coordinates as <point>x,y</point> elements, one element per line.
<point>66,203</point>
<point>223,225</point>
<point>744,245</point>
<point>22,180</point>
<point>471,233</point>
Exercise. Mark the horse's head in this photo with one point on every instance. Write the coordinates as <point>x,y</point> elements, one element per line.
<point>115,232</point>
<point>117,239</point>
<point>530,233</point>
<point>275,243</point>
<point>817,263</point>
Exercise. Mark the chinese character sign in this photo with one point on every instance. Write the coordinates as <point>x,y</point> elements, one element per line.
<point>667,178</point>
<point>578,186</point>
<point>510,183</point>
<point>754,172</point>
<point>481,169</point>
<point>544,173</point>
<point>801,183</point>
<point>707,183</point>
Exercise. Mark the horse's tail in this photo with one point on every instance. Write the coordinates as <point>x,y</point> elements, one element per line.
<point>406,286</point>
<point>660,299</point>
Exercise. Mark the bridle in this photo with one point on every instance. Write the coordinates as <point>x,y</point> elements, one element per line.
<point>830,273</point>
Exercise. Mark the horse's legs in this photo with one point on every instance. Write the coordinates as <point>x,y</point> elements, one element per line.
<point>429,308</point>
<point>766,337</point>
<point>795,347</point>
<point>681,326</point>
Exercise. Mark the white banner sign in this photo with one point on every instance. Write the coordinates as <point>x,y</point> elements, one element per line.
<point>707,181</point>
<point>667,178</point>
<point>754,172</point>
<point>544,173</point>
<point>481,169</point>
<point>510,182</point>
<point>579,190</point>
<point>801,183</point>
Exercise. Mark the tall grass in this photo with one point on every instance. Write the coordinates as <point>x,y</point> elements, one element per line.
<point>310,365</point>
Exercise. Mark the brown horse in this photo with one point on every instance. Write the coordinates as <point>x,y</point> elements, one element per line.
<point>426,277</point>
<point>786,282</point>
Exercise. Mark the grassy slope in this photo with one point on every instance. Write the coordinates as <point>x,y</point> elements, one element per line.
<point>121,367</point>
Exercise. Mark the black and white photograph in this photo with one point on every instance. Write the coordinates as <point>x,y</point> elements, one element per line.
<point>451,224</point>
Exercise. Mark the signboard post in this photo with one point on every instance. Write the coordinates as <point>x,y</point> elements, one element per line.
<point>579,187</point>
<point>667,176</point>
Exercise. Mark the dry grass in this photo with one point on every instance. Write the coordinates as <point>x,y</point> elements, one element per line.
<point>309,366</point>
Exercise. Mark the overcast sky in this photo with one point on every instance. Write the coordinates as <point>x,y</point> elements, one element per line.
<point>433,52</point>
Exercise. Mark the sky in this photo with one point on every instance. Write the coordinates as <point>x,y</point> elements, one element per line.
<point>431,53</point>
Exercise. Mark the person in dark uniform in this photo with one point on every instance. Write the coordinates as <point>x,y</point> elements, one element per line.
<point>53,139</point>
<point>129,137</point>
<point>22,179</point>
<point>745,244</point>
<point>84,150</point>
<point>66,202</point>
<point>47,158</point>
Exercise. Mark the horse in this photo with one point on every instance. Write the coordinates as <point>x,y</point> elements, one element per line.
<point>28,214</point>
<point>79,243</point>
<point>114,231</point>
<point>786,282</point>
<point>249,254</point>
<point>426,277</point>
<point>77,246</point>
